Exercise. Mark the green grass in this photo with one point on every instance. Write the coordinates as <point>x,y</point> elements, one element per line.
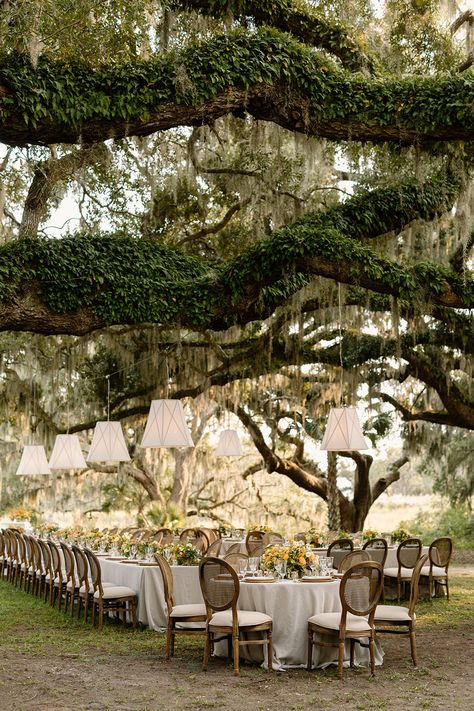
<point>32,627</point>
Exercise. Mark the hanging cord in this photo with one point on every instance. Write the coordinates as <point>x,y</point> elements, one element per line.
<point>108,397</point>
<point>341,362</point>
<point>68,393</point>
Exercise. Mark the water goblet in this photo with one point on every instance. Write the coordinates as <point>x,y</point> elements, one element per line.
<point>167,553</point>
<point>253,564</point>
<point>242,568</point>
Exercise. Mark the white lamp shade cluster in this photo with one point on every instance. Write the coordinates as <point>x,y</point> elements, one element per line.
<point>166,425</point>
<point>67,453</point>
<point>33,461</point>
<point>343,431</point>
<point>108,444</point>
<point>229,444</point>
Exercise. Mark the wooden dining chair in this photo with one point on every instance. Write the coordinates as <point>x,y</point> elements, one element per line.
<point>215,548</point>
<point>351,559</point>
<point>47,574</point>
<point>234,559</point>
<point>377,549</point>
<point>408,553</point>
<point>359,592</point>
<point>271,538</point>
<point>254,543</point>
<point>178,614</point>
<point>109,598</point>
<point>220,589</point>
<point>390,618</point>
<point>59,584</point>
<point>338,549</point>
<point>71,587</point>
<point>439,554</point>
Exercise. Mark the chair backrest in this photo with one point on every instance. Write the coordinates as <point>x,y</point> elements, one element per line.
<point>186,534</point>
<point>82,566</point>
<point>234,548</point>
<point>68,562</point>
<point>202,540</point>
<point>165,531</point>
<point>300,537</point>
<point>20,548</point>
<point>234,559</point>
<point>339,549</point>
<point>94,567</point>
<point>46,557</point>
<point>55,559</point>
<point>167,575</point>
<point>2,544</point>
<point>211,534</point>
<point>270,538</point>
<point>215,548</point>
<point>156,537</point>
<point>219,585</point>
<point>352,559</point>
<point>415,580</point>
<point>440,552</point>
<point>408,552</point>
<point>378,549</point>
<point>253,540</point>
<point>360,590</point>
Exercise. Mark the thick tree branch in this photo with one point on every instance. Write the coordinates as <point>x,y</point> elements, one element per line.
<point>265,73</point>
<point>393,475</point>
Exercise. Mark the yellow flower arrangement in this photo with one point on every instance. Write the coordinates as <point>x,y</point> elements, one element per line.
<point>298,556</point>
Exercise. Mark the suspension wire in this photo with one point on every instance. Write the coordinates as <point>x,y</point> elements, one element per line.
<point>341,362</point>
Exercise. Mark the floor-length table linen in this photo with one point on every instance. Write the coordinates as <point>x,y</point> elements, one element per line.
<point>147,582</point>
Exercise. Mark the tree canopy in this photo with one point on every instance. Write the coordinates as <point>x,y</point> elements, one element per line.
<point>266,197</point>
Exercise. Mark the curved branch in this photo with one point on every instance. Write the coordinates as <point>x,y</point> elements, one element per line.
<point>265,73</point>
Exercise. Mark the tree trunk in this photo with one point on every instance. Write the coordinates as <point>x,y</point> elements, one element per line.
<point>334,516</point>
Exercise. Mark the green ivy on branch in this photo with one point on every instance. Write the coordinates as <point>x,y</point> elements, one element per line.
<point>121,279</point>
<point>112,100</point>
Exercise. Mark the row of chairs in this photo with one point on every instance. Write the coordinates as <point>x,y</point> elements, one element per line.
<point>63,574</point>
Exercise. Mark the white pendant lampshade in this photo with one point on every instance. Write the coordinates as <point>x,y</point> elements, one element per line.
<point>108,443</point>
<point>229,444</point>
<point>33,461</point>
<point>166,425</point>
<point>343,431</point>
<point>67,453</point>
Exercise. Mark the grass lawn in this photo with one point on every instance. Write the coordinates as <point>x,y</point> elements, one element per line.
<point>51,661</point>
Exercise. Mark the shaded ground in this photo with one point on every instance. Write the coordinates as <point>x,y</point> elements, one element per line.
<point>49,662</point>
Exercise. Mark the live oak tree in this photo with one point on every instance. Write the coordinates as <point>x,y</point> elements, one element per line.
<point>235,126</point>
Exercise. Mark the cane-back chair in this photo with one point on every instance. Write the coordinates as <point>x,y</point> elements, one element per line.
<point>108,597</point>
<point>254,543</point>
<point>378,549</point>
<point>359,593</point>
<point>179,614</point>
<point>352,559</point>
<point>388,617</point>
<point>72,587</point>
<point>439,553</point>
<point>215,548</point>
<point>339,549</point>
<point>59,586</point>
<point>408,553</point>
<point>235,559</point>
<point>220,590</point>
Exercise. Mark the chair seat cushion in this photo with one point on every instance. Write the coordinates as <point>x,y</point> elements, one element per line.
<point>332,620</point>
<point>82,589</point>
<point>192,610</point>
<point>247,618</point>
<point>392,613</point>
<point>405,573</point>
<point>115,591</point>
<point>437,571</point>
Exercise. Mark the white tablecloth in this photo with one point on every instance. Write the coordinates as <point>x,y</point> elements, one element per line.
<point>391,561</point>
<point>147,582</point>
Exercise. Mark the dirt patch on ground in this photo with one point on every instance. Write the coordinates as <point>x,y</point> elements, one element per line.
<point>444,681</point>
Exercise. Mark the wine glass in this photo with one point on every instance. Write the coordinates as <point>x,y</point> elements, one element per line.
<point>330,562</point>
<point>242,568</point>
<point>253,565</point>
<point>167,553</point>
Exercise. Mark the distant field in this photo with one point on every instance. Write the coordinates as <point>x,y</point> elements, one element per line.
<point>388,511</point>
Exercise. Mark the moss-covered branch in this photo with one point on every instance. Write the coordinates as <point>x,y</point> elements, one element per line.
<point>302,20</point>
<point>265,72</point>
<point>85,282</point>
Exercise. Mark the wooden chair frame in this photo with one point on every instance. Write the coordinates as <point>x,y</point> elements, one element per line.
<point>232,633</point>
<point>103,605</point>
<point>315,629</point>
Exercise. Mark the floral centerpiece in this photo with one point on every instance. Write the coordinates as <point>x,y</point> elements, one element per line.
<point>297,555</point>
<point>369,534</point>
<point>400,534</point>
<point>257,527</point>
<point>315,538</point>
<point>185,554</point>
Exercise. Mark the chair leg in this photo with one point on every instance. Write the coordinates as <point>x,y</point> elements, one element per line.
<point>398,589</point>
<point>270,650</point>
<point>413,646</point>
<point>101,615</point>
<point>169,635</point>
<point>229,647</point>
<point>340,660</point>
<point>86,608</point>
<point>309,660</point>
<point>207,649</point>
<point>372,655</point>
<point>235,641</point>
<point>352,643</point>
<point>447,588</point>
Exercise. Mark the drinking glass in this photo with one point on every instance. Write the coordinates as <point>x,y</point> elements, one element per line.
<point>330,561</point>
<point>253,564</point>
<point>242,568</point>
<point>167,554</point>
